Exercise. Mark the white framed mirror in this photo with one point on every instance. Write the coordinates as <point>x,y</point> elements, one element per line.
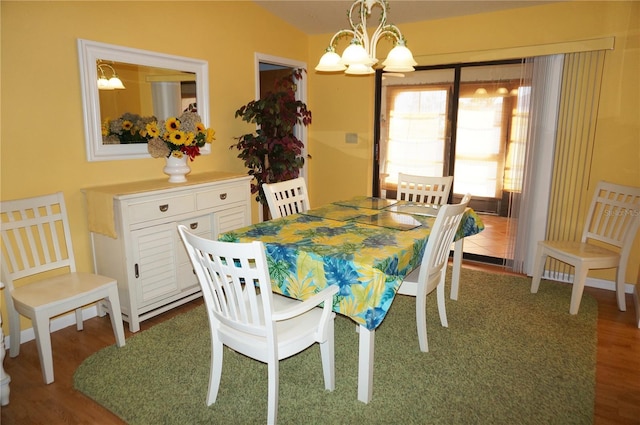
<point>155,85</point>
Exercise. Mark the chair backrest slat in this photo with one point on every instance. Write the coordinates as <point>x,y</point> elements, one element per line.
<point>235,282</point>
<point>614,215</point>
<point>287,197</point>
<point>424,189</point>
<point>36,236</point>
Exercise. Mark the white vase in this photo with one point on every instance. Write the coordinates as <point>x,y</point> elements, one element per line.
<point>177,168</point>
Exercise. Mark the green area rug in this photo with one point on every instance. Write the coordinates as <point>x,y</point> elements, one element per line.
<point>508,357</point>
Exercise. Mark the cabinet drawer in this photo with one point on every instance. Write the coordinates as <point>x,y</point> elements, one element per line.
<point>220,197</point>
<point>160,208</point>
<point>200,225</point>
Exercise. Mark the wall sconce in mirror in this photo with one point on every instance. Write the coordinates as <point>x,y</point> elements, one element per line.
<point>105,83</point>
<point>158,86</point>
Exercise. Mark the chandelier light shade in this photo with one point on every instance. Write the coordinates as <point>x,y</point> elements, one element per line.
<point>111,83</point>
<point>360,56</point>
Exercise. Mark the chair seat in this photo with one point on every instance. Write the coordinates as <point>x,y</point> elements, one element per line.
<point>293,334</point>
<point>70,287</point>
<point>570,252</point>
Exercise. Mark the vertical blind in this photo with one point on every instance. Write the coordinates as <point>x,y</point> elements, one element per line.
<point>577,117</point>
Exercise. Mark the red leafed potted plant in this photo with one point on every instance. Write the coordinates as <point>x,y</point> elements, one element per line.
<point>273,153</point>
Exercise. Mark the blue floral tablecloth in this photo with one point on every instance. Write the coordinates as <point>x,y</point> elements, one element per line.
<point>306,252</point>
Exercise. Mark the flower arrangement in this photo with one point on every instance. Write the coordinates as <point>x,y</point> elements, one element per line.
<point>129,128</point>
<point>178,136</point>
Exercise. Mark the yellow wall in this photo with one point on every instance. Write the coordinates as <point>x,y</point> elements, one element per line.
<point>42,133</point>
<point>42,141</point>
<point>617,141</point>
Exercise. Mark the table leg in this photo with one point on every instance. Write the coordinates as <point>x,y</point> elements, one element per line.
<point>365,364</point>
<point>457,265</point>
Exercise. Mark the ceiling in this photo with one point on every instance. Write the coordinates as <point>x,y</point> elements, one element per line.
<point>329,16</point>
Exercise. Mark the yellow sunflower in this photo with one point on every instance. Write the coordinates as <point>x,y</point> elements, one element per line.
<point>152,129</point>
<point>190,137</point>
<point>172,124</point>
<point>178,138</point>
<point>210,135</point>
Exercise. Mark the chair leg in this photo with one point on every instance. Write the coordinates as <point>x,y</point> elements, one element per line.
<point>216,372</point>
<point>43,342</point>
<point>14,331</point>
<point>442,308</point>
<point>579,280</point>
<point>79,320</point>
<point>272,396</point>
<point>115,314</point>
<point>538,269</point>
<point>421,322</point>
<point>622,302</point>
<point>101,309</point>
<point>327,352</point>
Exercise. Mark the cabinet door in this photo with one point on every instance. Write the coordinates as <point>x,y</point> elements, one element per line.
<point>155,263</point>
<point>230,219</point>
<point>200,226</point>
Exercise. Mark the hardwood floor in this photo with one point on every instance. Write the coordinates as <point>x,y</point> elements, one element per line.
<point>32,402</point>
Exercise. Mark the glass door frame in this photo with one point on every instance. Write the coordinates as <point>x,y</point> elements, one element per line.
<point>452,114</point>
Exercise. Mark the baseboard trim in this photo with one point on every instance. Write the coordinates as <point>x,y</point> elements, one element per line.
<point>591,282</point>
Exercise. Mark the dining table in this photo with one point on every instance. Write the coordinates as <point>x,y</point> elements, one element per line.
<point>364,245</point>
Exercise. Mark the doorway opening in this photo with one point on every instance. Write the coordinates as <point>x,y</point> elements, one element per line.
<point>268,69</point>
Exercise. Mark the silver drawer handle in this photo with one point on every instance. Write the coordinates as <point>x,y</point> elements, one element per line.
<point>164,207</point>
<point>194,226</point>
<point>223,196</point>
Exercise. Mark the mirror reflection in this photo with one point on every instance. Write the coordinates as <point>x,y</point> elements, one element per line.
<point>124,88</point>
<point>133,95</point>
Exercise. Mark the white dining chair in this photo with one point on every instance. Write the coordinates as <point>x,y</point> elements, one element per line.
<point>246,316</point>
<point>431,273</point>
<point>424,189</point>
<point>607,237</point>
<point>287,197</point>
<point>37,251</point>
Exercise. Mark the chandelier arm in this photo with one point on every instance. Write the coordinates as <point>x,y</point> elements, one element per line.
<point>340,34</point>
<point>391,30</point>
<point>360,32</point>
<point>350,13</point>
<point>388,30</point>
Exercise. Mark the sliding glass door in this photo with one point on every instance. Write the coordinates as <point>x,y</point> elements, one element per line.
<point>460,121</point>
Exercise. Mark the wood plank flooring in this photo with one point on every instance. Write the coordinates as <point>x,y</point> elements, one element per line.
<point>32,402</point>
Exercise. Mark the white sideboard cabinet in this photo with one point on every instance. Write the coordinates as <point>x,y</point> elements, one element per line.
<point>135,240</point>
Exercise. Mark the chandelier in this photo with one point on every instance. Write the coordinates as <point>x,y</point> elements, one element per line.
<point>360,56</point>
<point>105,83</point>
